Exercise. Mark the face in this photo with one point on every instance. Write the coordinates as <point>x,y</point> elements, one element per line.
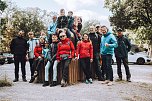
<point>43,34</point>
<point>62,13</point>
<point>79,20</point>
<point>54,18</point>
<point>119,33</point>
<point>85,37</point>
<point>62,36</point>
<point>70,14</point>
<point>46,45</point>
<point>31,35</point>
<point>104,30</point>
<point>41,40</point>
<point>92,29</point>
<point>54,38</point>
<point>98,29</point>
<point>20,33</point>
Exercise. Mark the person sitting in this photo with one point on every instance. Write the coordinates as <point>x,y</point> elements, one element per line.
<point>65,53</point>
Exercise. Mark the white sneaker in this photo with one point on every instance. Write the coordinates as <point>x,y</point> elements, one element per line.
<point>90,80</point>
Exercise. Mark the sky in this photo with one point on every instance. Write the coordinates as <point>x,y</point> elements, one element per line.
<point>87,9</point>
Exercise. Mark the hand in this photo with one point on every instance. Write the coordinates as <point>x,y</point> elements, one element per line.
<point>91,60</point>
<point>106,44</point>
<point>58,61</point>
<point>39,57</point>
<point>76,58</point>
<point>73,59</point>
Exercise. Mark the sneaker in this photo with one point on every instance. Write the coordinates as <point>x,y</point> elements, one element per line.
<point>90,80</point>
<point>86,81</point>
<point>128,79</point>
<point>32,80</point>
<point>46,83</point>
<point>15,80</point>
<point>35,74</point>
<point>62,83</point>
<point>24,79</point>
<point>119,79</point>
<point>54,83</point>
<point>110,83</point>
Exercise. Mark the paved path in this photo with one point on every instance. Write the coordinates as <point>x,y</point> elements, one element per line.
<point>140,89</point>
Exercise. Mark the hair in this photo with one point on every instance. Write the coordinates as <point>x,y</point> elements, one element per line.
<point>54,34</point>
<point>87,35</point>
<point>97,27</point>
<point>61,10</point>
<point>70,12</point>
<point>105,27</point>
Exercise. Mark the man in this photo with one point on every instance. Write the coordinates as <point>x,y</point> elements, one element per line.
<point>52,28</point>
<point>32,42</point>
<point>108,44</point>
<point>98,27</point>
<point>19,48</point>
<point>95,38</point>
<point>121,54</point>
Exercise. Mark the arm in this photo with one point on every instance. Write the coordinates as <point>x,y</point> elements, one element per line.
<point>57,54</point>
<point>91,51</point>
<point>35,52</point>
<point>12,46</point>
<point>128,45</point>
<point>114,42</point>
<point>78,49</point>
<point>72,49</point>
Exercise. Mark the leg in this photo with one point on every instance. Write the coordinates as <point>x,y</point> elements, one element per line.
<point>31,67</point>
<point>109,67</point>
<point>103,66</point>
<point>47,71</point>
<point>119,67</point>
<point>55,70</point>
<point>23,63</point>
<point>16,63</point>
<point>66,69</point>
<point>125,62</point>
<point>97,66</point>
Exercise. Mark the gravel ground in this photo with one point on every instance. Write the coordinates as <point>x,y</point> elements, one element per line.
<point>140,89</point>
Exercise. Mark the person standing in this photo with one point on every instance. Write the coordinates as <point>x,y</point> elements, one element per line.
<point>32,42</point>
<point>65,53</point>
<point>19,48</point>
<point>108,43</point>
<point>52,28</point>
<point>121,54</point>
<point>85,53</point>
<point>96,40</point>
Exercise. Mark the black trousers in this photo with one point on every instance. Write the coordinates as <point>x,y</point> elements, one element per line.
<point>65,68</point>
<point>20,59</point>
<point>107,67</point>
<point>85,64</point>
<point>125,63</point>
<point>31,67</point>
<point>97,66</point>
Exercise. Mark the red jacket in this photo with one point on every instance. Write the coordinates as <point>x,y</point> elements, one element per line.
<point>38,51</point>
<point>65,47</point>
<point>84,49</point>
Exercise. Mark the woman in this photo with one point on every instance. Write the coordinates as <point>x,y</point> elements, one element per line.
<point>85,53</point>
<point>65,53</point>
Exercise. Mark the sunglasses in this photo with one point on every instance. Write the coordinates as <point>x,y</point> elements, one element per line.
<point>62,36</point>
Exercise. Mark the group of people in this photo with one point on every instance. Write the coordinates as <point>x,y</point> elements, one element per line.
<point>57,47</point>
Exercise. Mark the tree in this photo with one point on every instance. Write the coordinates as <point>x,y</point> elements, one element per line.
<point>3,5</point>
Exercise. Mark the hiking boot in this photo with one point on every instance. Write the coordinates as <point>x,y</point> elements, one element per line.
<point>32,80</point>
<point>15,80</point>
<point>46,83</point>
<point>90,80</point>
<point>24,79</point>
<point>54,83</point>
<point>128,79</point>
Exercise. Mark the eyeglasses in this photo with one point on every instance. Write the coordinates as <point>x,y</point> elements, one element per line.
<point>62,36</point>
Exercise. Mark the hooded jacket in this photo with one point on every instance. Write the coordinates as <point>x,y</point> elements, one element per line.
<point>110,39</point>
<point>62,22</point>
<point>65,47</point>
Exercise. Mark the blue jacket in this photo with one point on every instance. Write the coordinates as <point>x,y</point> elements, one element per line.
<point>110,39</point>
<point>52,28</point>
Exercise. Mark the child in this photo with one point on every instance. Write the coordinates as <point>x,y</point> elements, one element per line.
<point>85,52</point>
<point>52,60</point>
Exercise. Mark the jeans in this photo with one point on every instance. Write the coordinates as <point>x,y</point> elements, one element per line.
<point>85,64</point>
<point>107,67</point>
<point>20,59</point>
<point>65,68</point>
<point>47,67</point>
<point>31,67</point>
<point>125,63</point>
<point>97,65</point>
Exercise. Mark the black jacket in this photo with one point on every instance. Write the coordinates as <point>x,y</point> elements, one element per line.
<point>124,46</point>
<point>96,40</point>
<point>70,22</point>
<point>19,46</point>
<point>62,22</point>
<point>53,49</point>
